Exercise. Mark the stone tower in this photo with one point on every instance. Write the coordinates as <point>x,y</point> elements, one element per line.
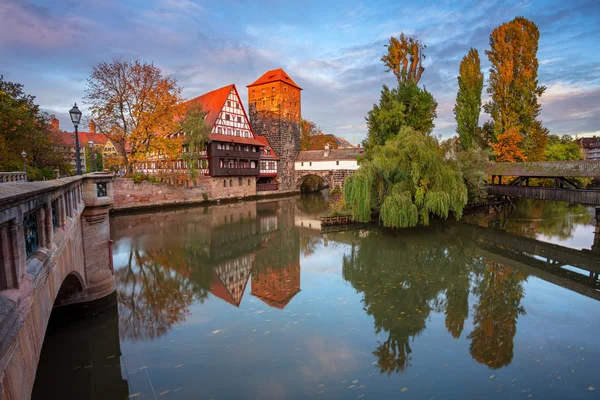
<point>275,111</point>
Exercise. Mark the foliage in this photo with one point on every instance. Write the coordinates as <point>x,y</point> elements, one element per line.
<point>204,196</point>
<point>24,127</point>
<point>404,58</point>
<point>312,183</point>
<point>404,106</point>
<point>472,162</point>
<point>562,149</point>
<point>196,132</point>
<point>406,180</point>
<point>136,107</point>
<point>336,191</point>
<point>312,138</point>
<point>514,90</point>
<point>468,99</point>
<point>337,207</point>
<point>507,148</point>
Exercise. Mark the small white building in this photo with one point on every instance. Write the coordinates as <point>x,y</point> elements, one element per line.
<point>328,159</point>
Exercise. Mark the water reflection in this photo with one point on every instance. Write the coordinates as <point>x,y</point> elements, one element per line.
<point>205,293</point>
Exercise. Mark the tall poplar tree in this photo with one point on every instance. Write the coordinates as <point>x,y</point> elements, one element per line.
<point>514,87</point>
<point>468,99</point>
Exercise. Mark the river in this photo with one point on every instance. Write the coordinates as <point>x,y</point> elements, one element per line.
<point>251,301</point>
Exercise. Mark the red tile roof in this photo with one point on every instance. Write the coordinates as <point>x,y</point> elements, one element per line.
<point>212,102</point>
<point>265,143</point>
<point>234,139</point>
<point>68,138</point>
<point>275,75</point>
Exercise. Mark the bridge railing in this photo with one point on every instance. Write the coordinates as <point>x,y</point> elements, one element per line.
<point>6,177</point>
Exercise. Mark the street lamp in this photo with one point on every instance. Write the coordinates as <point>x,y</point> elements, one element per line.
<point>24,155</point>
<point>75,118</point>
<point>91,146</point>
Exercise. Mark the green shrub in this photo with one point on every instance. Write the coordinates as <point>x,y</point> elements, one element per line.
<point>204,196</point>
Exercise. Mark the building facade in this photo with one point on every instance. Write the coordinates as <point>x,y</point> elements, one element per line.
<point>590,147</point>
<point>274,103</point>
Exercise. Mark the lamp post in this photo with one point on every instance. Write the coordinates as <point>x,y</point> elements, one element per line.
<point>91,146</point>
<point>75,118</point>
<point>24,155</point>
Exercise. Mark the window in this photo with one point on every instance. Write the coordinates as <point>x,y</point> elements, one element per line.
<point>337,163</point>
<point>253,164</point>
<point>231,185</point>
<point>227,117</point>
<point>54,214</point>
<point>225,185</point>
<point>239,180</point>
<point>263,91</point>
<point>229,131</point>
<point>253,93</point>
<point>302,164</point>
<point>263,165</point>
<point>101,189</point>
<point>237,133</point>
<point>219,145</point>
<point>310,164</point>
<point>220,130</point>
<point>248,182</point>
<point>30,230</point>
<point>239,119</point>
<point>271,165</point>
<point>273,89</point>
<point>228,103</point>
<point>237,105</point>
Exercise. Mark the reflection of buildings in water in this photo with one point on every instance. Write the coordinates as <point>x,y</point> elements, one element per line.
<point>231,278</point>
<point>276,286</point>
<point>307,221</point>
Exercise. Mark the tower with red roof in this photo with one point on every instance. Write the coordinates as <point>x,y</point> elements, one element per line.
<point>275,110</point>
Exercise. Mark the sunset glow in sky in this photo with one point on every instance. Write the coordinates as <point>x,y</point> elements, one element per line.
<point>330,48</point>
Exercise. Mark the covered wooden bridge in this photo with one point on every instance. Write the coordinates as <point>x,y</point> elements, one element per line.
<point>513,180</point>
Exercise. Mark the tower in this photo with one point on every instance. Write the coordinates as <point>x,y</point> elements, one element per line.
<point>275,111</point>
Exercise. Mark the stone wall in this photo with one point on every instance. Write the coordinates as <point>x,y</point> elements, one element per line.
<point>275,112</point>
<point>149,194</point>
<point>332,178</point>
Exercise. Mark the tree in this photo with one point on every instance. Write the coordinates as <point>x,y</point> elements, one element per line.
<point>562,149</point>
<point>507,148</point>
<point>513,86</point>
<point>312,138</point>
<point>406,180</point>
<point>24,127</point>
<point>133,104</point>
<point>404,58</point>
<point>468,99</point>
<point>196,132</point>
<point>405,106</point>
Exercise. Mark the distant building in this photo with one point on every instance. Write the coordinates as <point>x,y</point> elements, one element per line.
<point>590,147</point>
<point>328,159</point>
<point>341,142</point>
<point>274,104</point>
<point>67,143</point>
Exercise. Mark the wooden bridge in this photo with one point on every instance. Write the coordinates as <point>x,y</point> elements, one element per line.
<point>517,177</point>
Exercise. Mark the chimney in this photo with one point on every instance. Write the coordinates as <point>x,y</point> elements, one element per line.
<point>358,146</point>
<point>326,152</point>
<point>55,124</point>
<point>92,126</point>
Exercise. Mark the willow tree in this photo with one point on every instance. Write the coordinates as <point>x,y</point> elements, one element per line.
<point>514,88</point>
<point>406,180</point>
<point>468,99</point>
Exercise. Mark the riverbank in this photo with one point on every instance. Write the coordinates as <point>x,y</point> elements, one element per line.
<point>131,197</point>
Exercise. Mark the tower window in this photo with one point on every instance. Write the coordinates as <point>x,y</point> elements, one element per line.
<point>248,182</point>
<point>239,180</point>
<point>225,183</point>
<point>231,183</point>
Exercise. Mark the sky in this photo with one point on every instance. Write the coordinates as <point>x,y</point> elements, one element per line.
<point>332,49</point>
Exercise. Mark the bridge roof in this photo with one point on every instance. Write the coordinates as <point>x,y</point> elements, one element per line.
<point>546,169</point>
<point>334,154</point>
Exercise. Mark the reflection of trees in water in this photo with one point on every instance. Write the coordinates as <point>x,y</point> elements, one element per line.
<point>406,276</point>
<point>312,203</point>
<point>499,305</point>
<point>550,218</point>
<point>308,244</point>
<point>155,290</point>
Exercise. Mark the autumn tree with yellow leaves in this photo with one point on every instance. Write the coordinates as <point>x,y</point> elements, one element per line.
<point>136,107</point>
<point>404,58</point>
<point>515,91</point>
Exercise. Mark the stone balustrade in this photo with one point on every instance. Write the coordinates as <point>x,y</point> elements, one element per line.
<point>54,251</point>
<point>6,177</point>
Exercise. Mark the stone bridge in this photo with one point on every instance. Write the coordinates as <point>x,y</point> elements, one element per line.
<point>54,251</point>
<point>331,178</point>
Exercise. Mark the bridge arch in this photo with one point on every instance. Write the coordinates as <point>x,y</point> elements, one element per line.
<point>322,181</point>
<point>70,290</point>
